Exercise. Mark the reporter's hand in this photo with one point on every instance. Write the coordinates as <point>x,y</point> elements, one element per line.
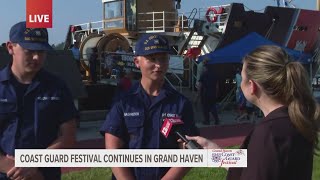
<point>7,162</point>
<point>17,173</point>
<point>205,143</point>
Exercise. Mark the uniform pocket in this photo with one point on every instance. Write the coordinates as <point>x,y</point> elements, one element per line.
<point>7,111</point>
<point>48,107</point>
<point>47,116</point>
<point>47,113</point>
<point>135,131</point>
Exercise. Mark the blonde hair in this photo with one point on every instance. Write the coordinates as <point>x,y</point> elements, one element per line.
<point>287,82</point>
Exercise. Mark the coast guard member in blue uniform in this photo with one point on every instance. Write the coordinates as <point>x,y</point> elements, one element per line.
<point>135,121</point>
<point>36,108</point>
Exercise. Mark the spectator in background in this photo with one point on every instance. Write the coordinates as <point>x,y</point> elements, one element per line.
<point>36,107</point>
<point>124,85</point>
<point>238,84</point>
<point>109,63</point>
<point>93,65</point>
<point>241,105</point>
<point>200,68</point>
<point>126,80</point>
<point>76,52</point>
<point>208,90</point>
<point>246,110</point>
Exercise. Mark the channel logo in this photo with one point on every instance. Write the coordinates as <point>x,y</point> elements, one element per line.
<point>39,13</point>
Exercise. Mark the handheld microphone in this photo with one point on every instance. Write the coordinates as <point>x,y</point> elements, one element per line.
<point>172,123</point>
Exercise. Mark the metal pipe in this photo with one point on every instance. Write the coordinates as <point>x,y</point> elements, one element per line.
<point>153,21</point>
<point>163,22</point>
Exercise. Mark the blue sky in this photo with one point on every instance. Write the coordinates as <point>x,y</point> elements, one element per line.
<point>66,12</point>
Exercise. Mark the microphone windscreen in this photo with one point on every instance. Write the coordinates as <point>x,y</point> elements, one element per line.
<point>167,125</point>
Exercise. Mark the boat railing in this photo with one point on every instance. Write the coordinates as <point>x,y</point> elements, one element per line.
<point>90,27</point>
<point>176,22</point>
<point>203,11</point>
<point>85,29</point>
<point>221,19</point>
<point>161,21</point>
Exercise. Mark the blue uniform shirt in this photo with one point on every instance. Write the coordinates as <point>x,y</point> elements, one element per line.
<point>137,119</point>
<point>76,53</point>
<point>32,121</point>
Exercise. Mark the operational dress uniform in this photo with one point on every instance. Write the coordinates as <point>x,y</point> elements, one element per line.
<point>137,119</point>
<point>30,116</point>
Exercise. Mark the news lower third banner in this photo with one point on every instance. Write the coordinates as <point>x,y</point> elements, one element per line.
<point>130,158</point>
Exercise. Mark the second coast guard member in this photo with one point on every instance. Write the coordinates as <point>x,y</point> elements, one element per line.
<point>134,122</point>
<point>36,108</point>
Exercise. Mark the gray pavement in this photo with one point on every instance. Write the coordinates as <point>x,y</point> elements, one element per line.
<point>89,130</point>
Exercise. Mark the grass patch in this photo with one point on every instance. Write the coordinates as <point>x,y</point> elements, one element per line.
<point>206,174</point>
<point>90,174</point>
<point>105,173</point>
<point>316,167</point>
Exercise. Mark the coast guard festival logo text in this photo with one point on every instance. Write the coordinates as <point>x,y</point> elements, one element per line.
<point>228,158</point>
<point>39,13</point>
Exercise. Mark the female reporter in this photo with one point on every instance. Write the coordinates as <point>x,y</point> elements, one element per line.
<point>283,144</point>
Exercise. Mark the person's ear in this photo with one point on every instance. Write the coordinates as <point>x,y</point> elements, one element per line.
<point>10,47</point>
<point>136,62</point>
<point>253,87</point>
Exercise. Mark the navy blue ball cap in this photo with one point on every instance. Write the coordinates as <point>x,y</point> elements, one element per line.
<point>151,44</point>
<point>30,38</point>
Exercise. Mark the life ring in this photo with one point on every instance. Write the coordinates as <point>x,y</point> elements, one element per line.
<point>221,10</point>
<point>209,16</point>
